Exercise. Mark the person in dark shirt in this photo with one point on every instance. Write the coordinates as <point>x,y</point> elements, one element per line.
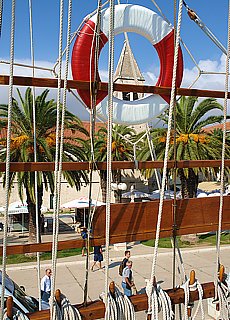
<point>98,256</point>
<point>126,258</point>
<point>124,261</point>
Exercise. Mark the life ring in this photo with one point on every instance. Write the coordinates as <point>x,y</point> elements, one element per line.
<point>143,21</point>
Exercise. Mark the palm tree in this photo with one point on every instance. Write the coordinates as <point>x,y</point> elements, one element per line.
<point>22,147</point>
<point>121,151</point>
<point>192,142</point>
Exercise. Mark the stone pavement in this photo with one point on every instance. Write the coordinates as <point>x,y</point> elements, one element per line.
<point>71,270</point>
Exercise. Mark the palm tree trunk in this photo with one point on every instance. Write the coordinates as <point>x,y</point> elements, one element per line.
<point>32,214</point>
<point>103,177</point>
<point>117,179</point>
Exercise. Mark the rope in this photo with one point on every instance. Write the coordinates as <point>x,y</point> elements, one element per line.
<point>17,315</point>
<point>222,160</point>
<point>223,294</point>
<point>35,158</point>
<point>10,105</point>
<point>167,143</point>
<point>59,174</point>
<point>93,98</point>
<point>192,14</point>
<point>119,306</point>
<point>187,288</point>
<point>55,213</point>
<point>76,33</point>
<point>1,14</point>
<point>109,142</point>
<point>158,300</point>
<point>152,291</point>
<point>65,311</point>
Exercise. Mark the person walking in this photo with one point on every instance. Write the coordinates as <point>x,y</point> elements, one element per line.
<point>124,261</point>
<point>98,256</point>
<point>46,285</point>
<point>127,279</point>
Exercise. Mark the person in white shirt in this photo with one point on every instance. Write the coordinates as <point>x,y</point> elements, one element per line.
<point>127,279</point>
<point>46,285</point>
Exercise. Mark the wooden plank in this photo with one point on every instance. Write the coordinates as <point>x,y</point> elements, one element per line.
<point>42,247</point>
<point>71,166</point>
<point>53,83</point>
<point>96,309</point>
<point>137,221</point>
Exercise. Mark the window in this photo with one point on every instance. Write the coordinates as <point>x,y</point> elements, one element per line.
<point>126,96</point>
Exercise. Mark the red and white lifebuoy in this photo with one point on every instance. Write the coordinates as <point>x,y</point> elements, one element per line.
<point>143,21</point>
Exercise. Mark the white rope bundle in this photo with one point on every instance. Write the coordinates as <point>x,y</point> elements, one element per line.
<point>119,306</point>
<point>187,288</point>
<point>17,315</point>
<point>223,300</point>
<point>66,311</point>
<point>158,300</point>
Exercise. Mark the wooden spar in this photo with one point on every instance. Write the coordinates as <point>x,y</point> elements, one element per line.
<point>72,84</point>
<point>71,166</point>
<point>137,221</point>
<point>96,309</point>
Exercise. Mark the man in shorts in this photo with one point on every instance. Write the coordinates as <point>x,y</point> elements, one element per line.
<point>98,257</point>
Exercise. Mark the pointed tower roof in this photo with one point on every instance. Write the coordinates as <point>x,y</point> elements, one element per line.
<point>127,67</point>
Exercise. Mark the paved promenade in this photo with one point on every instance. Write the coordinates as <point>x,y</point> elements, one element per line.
<point>71,271</point>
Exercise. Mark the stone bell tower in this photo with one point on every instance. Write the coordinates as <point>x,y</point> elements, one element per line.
<point>128,72</point>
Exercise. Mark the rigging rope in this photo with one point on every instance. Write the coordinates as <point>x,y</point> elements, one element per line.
<point>158,300</point>
<point>56,168</point>
<point>74,35</point>
<point>217,287</point>
<point>119,306</point>
<point>93,97</point>
<point>58,174</point>
<point>153,308</point>
<point>187,288</point>
<point>109,142</point>
<point>38,236</point>
<point>63,126</point>
<point>8,142</point>
<point>193,16</point>
<point>1,14</point>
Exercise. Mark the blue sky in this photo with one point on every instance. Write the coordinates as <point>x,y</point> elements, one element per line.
<point>46,29</point>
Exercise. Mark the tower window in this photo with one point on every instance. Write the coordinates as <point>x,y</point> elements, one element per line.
<point>126,96</point>
<point>135,96</point>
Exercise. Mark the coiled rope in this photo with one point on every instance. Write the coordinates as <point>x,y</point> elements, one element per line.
<point>8,141</point>
<point>118,306</point>
<point>17,315</point>
<point>223,300</point>
<point>187,288</point>
<point>152,290</point>
<point>64,310</point>
<point>158,300</point>
<point>221,291</point>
